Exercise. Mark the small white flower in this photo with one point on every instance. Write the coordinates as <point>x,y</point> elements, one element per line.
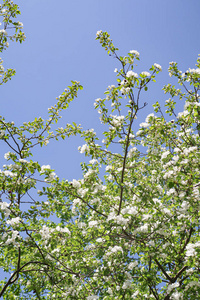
<point>135,294</point>
<point>131,152</point>
<point>7,155</point>
<point>15,234</point>
<point>108,168</point>
<point>190,250</point>
<point>98,33</point>
<point>9,173</point>
<point>145,74</point>
<point>134,52</point>
<point>93,161</point>
<point>84,148</point>
<point>131,74</point>
<point>2,132</point>
<point>82,192</point>
<point>115,70</point>
<point>92,297</point>
<point>144,125</point>
<point>23,160</point>
<point>92,224</point>
<point>45,167</point>
<point>132,265</point>
<point>195,71</point>
<point>165,154</point>
<point>4,205</point>
<point>116,249</point>
<point>172,286</point>
<point>99,240</point>
<point>182,114</point>
<point>148,117</point>
<point>76,183</point>
<point>52,176</point>
<point>3,31</point>
<point>46,142</point>
<point>157,66</point>
<point>20,24</point>
<point>126,284</point>
<point>13,221</point>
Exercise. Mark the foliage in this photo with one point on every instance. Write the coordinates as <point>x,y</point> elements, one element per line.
<point>11,31</point>
<point>131,233</point>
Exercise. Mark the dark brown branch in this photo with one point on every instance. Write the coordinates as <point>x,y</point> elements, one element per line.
<point>153,292</point>
<point>163,270</point>
<point>125,157</point>
<point>187,240</point>
<point>18,266</point>
<point>10,280</point>
<point>97,211</point>
<point>179,273</point>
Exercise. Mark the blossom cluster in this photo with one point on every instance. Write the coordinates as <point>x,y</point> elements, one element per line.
<point>128,228</point>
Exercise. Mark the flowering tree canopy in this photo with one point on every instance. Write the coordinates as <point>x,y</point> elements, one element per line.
<point>129,228</point>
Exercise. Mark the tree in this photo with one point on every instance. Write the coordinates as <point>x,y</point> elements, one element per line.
<point>129,228</point>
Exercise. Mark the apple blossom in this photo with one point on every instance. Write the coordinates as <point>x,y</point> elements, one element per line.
<point>129,227</point>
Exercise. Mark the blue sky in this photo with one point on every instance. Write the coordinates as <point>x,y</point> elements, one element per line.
<point>61,47</point>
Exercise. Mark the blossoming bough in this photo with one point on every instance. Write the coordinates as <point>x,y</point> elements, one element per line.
<point>134,235</point>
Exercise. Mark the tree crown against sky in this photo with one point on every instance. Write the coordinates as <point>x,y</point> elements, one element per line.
<point>129,228</point>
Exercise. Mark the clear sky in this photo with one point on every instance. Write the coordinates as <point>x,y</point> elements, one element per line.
<point>61,47</point>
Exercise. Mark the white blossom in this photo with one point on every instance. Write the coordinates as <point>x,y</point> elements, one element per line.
<point>134,52</point>
<point>5,208</point>
<point>176,296</point>
<point>146,74</point>
<point>92,297</point>
<point>182,114</point>
<point>135,294</point>
<point>130,74</point>
<point>84,148</point>
<point>172,286</point>
<point>20,24</point>
<point>115,249</point>
<point>64,230</point>
<point>51,176</point>
<point>13,221</point>
<point>99,32</point>
<point>23,160</point>
<point>99,240</point>
<point>131,152</point>
<point>126,284</point>
<point>191,249</point>
<point>2,132</point>
<point>144,125</point>
<point>93,161</point>
<point>2,31</point>
<point>82,192</point>
<point>9,173</point>
<point>157,66</point>
<point>46,233</point>
<point>76,183</point>
<point>92,224</point>
<point>165,154</point>
<point>132,265</point>
<point>4,205</point>
<point>45,167</point>
<point>12,240</point>
<point>129,210</point>
<point>195,71</point>
<point>7,155</point>
<point>148,117</point>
